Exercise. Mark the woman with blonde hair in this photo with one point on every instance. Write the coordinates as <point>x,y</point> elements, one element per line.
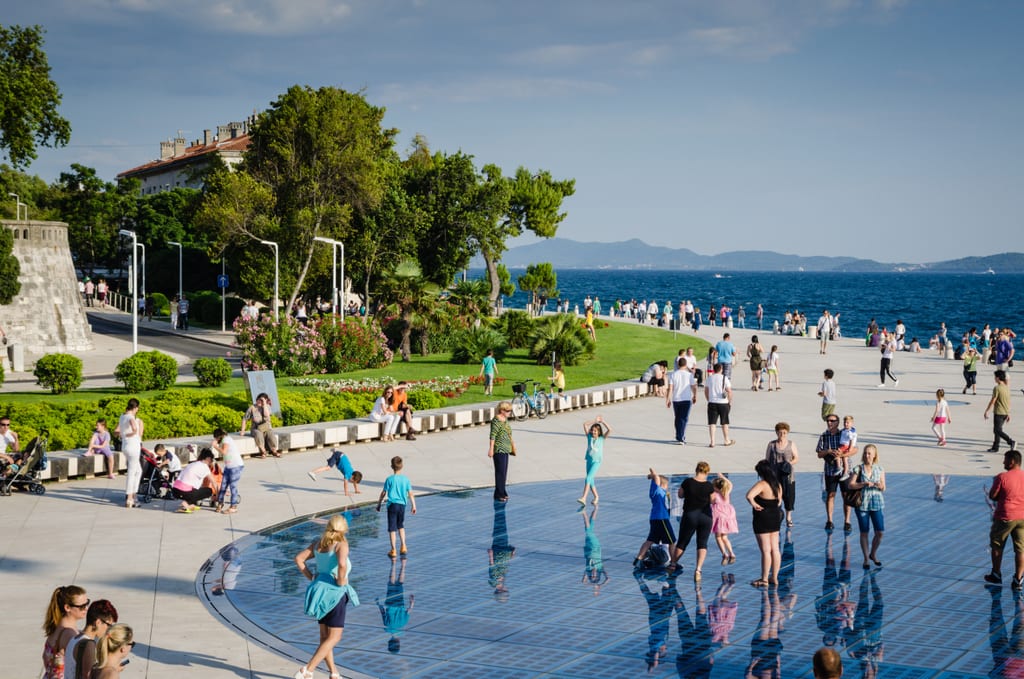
<point>328,593</point>
<point>66,609</point>
<point>869,478</point>
<point>112,651</point>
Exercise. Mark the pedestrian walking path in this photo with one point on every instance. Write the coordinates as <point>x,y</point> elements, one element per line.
<point>147,560</point>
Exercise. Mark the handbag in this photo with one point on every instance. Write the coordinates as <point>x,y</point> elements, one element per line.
<point>851,497</point>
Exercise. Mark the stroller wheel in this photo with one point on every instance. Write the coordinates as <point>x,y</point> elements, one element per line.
<point>37,489</point>
<point>146,499</point>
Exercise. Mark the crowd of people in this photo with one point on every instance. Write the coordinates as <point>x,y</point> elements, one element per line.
<point>84,639</point>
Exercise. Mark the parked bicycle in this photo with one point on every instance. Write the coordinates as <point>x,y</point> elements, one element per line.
<point>524,403</point>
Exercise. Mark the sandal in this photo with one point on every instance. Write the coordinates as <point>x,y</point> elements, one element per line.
<point>759,583</point>
<point>732,559</point>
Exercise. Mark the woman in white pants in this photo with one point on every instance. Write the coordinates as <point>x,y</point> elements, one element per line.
<point>129,427</point>
<point>380,413</point>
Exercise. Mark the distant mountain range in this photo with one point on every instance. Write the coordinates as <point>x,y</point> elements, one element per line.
<point>563,253</point>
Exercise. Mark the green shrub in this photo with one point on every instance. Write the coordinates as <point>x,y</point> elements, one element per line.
<point>563,335</point>
<point>135,373</point>
<point>425,399</point>
<point>161,307</point>
<point>211,372</point>
<point>352,345</point>
<point>287,347</point>
<point>165,369</point>
<point>473,344</point>
<point>1,374</point>
<point>516,326</point>
<point>205,306</point>
<point>60,373</point>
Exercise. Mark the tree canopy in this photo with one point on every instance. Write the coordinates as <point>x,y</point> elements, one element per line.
<point>28,97</point>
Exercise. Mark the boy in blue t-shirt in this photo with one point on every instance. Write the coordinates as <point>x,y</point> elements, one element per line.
<point>397,491</point>
<point>661,523</point>
<point>340,461</point>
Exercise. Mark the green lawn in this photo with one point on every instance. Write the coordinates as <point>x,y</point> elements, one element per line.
<point>624,351</point>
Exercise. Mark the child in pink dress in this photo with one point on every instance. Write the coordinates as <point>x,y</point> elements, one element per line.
<point>723,518</point>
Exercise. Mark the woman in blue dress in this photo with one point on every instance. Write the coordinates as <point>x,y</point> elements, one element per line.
<point>328,593</point>
<point>597,430</point>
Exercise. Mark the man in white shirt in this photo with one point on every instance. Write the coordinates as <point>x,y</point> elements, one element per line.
<point>682,392</point>
<point>718,392</point>
<point>824,330</point>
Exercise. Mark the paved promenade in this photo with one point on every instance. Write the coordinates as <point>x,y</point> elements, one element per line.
<point>146,560</point>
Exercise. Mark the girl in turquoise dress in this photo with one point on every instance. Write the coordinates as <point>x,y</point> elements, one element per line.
<point>597,430</point>
<point>328,593</point>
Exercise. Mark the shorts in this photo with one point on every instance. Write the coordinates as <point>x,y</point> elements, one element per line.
<point>873,518</point>
<point>827,409</point>
<point>335,458</point>
<point>336,618</point>
<point>488,381</point>
<point>940,420</point>
<point>661,531</point>
<point>657,382</point>
<point>396,517</point>
<point>718,411</point>
<point>831,484</point>
<point>1001,529</point>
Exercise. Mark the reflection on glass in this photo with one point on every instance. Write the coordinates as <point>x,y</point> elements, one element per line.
<point>696,657</point>
<point>593,570</point>
<point>1007,652</point>
<point>722,612</point>
<point>500,553</point>
<point>393,611</point>
<point>833,609</point>
<point>941,481</point>
<point>659,590</point>
<point>866,644</point>
<point>765,646</point>
<point>787,572</point>
<point>231,566</point>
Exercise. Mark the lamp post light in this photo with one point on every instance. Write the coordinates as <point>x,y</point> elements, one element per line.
<point>277,274</point>
<point>171,242</point>
<point>135,289</point>
<point>337,307</point>
<point>143,247</point>
<point>18,205</point>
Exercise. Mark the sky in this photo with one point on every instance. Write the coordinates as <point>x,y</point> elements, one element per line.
<point>882,129</point>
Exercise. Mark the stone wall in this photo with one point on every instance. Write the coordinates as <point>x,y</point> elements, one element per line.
<point>47,315</point>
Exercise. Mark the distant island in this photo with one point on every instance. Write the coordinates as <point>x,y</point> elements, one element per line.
<point>564,253</point>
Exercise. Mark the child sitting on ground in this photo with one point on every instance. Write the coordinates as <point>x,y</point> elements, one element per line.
<point>339,460</point>
<point>660,532</point>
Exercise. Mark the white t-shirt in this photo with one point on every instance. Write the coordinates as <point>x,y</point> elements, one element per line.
<point>380,410</point>
<point>681,381</point>
<point>230,454</point>
<point>7,440</point>
<point>828,392</point>
<point>193,474</point>
<point>717,388</point>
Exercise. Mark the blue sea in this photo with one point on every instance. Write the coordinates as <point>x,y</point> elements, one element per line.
<point>920,300</point>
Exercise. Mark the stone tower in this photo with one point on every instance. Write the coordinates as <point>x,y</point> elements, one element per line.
<point>47,316</point>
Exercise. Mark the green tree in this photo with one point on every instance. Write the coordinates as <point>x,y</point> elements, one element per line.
<point>10,268</point>
<point>468,301</point>
<point>28,97</point>
<point>539,280</point>
<point>31,190</point>
<point>321,155</point>
<point>94,210</point>
<point>413,298</point>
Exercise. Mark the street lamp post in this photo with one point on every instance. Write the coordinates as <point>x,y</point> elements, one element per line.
<point>335,244</point>
<point>171,242</point>
<point>277,273</point>
<point>18,205</point>
<point>143,246</point>
<point>135,289</point>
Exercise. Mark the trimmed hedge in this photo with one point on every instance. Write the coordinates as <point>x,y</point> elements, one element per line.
<point>211,372</point>
<point>60,373</point>
<point>146,370</point>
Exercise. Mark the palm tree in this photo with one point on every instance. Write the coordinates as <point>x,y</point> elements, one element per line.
<point>411,297</point>
<point>470,301</point>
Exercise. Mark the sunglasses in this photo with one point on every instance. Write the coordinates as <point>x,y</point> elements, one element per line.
<point>85,605</point>
<point>833,421</point>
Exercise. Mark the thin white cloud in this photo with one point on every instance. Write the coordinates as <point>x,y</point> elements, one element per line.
<point>255,17</point>
<point>485,89</point>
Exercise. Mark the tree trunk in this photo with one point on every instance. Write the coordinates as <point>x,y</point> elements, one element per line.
<point>492,275</point>
<point>406,348</point>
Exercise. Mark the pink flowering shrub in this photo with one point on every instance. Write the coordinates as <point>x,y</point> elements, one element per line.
<point>354,344</point>
<point>285,346</point>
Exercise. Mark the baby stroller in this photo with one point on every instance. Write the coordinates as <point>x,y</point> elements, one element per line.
<point>156,480</point>
<point>26,476</point>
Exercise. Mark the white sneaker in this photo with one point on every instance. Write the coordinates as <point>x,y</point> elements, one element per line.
<point>896,383</point>
<point>881,386</point>
<point>312,475</point>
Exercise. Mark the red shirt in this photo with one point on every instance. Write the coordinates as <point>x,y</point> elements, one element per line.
<point>1008,490</point>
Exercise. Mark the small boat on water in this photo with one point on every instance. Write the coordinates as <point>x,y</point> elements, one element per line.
<point>990,271</point>
<point>718,275</point>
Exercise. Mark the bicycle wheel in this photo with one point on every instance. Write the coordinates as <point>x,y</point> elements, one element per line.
<point>542,405</point>
<point>520,408</point>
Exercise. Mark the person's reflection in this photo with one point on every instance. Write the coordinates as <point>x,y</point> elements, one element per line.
<point>1007,652</point>
<point>722,612</point>
<point>941,481</point>
<point>500,554</point>
<point>787,572</point>
<point>833,609</point>
<point>231,566</point>
<point>662,597</point>
<point>695,657</point>
<point>593,571</point>
<point>868,627</point>
<point>765,646</point>
<point>394,613</point>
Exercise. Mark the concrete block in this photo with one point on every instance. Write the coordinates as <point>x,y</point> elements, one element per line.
<point>296,439</point>
<point>367,431</point>
<point>332,435</point>
<point>463,418</point>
